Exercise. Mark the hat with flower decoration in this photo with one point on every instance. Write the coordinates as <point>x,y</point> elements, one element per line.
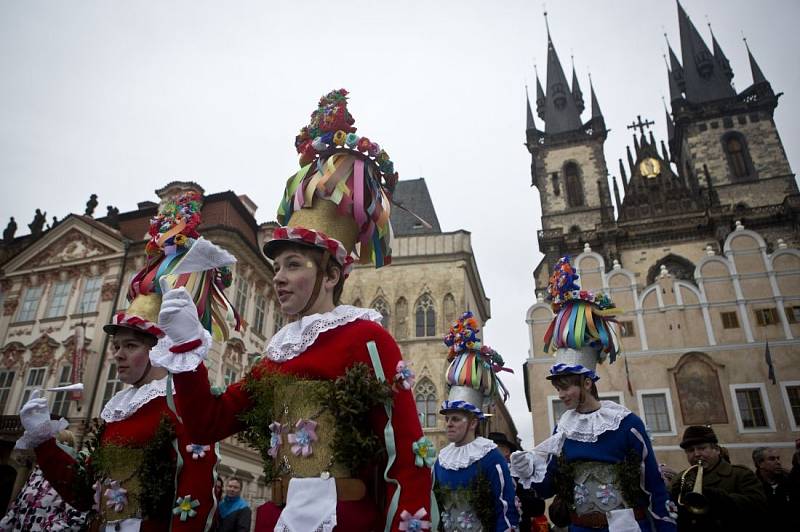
<point>339,199</point>
<point>472,371</point>
<point>177,256</point>
<point>581,333</point>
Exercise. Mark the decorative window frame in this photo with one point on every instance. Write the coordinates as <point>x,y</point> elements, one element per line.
<point>761,387</point>
<point>670,410</point>
<point>794,427</point>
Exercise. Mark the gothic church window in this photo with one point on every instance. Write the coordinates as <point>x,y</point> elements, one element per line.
<point>449,310</point>
<point>401,315</point>
<point>573,184</point>
<point>425,317</point>
<point>427,405</point>
<point>738,156</point>
<point>380,305</point>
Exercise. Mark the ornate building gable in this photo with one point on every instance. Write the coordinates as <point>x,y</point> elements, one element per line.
<point>73,241</point>
<point>12,355</point>
<point>43,351</point>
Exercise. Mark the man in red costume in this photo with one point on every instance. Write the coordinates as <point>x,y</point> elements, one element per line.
<point>130,473</point>
<point>331,464</point>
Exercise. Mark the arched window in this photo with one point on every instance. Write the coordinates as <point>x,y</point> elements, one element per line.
<point>401,319</point>
<point>738,156</point>
<point>574,188</point>
<point>425,315</point>
<point>449,308</point>
<point>427,405</point>
<point>380,305</point>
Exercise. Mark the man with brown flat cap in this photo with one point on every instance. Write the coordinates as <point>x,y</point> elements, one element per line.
<point>732,496</point>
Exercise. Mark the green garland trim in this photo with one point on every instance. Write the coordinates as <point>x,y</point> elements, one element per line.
<point>84,479</point>
<point>478,495</point>
<point>349,399</point>
<point>628,474</point>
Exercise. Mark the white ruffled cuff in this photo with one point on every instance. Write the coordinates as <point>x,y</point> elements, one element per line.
<point>31,439</point>
<point>162,357</point>
<point>530,470</point>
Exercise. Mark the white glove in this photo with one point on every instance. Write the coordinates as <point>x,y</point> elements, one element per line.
<point>35,417</point>
<point>178,317</point>
<point>522,464</point>
<point>35,413</point>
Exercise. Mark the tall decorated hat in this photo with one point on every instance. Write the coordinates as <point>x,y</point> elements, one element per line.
<point>339,199</point>
<point>581,333</point>
<point>472,371</point>
<point>177,256</point>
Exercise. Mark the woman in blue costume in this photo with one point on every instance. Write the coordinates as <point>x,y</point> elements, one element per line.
<point>472,482</point>
<point>599,462</point>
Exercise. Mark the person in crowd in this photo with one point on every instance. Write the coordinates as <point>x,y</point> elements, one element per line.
<point>140,469</point>
<point>781,490</point>
<point>599,462</point>
<point>39,508</point>
<point>219,487</point>
<point>530,506</point>
<point>234,512</point>
<point>732,497</point>
<point>329,406</point>
<point>473,485</point>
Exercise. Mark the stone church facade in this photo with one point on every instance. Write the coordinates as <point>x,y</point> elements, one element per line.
<point>432,280</point>
<point>696,241</point>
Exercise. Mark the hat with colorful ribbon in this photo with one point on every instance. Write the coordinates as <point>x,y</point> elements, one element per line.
<point>472,373</point>
<point>340,197</point>
<point>178,256</point>
<point>581,333</point>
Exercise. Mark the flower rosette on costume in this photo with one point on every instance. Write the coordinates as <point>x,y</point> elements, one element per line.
<point>414,522</point>
<point>185,507</point>
<point>116,496</point>
<point>404,376</point>
<point>197,450</point>
<point>424,452</point>
<point>304,435</point>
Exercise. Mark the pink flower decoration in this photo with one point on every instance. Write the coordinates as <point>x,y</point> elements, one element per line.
<point>275,438</point>
<point>304,435</point>
<point>197,450</point>
<point>404,378</point>
<point>117,496</point>
<point>414,523</point>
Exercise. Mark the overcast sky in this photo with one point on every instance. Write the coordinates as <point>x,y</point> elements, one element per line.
<point>118,98</point>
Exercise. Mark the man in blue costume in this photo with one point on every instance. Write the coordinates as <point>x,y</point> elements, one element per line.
<point>599,462</point>
<point>473,485</point>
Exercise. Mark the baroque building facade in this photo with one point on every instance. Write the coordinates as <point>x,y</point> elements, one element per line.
<point>432,280</point>
<point>59,288</point>
<point>701,256</point>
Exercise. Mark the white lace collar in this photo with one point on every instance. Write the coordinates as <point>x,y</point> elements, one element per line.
<point>587,427</point>
<point>455,458</point>
<point>128,401</point>
<point>294,338</point>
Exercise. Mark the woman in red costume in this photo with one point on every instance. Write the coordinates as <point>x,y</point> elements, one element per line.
<point>329,405</point>
<point>129,472</point>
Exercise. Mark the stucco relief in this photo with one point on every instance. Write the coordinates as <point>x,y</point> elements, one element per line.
<point>72,246</point>
<point>108,291</point>
<point>699,391</point>
<point>10,306</point>
<point>42,351</point>
<point>12,355</point>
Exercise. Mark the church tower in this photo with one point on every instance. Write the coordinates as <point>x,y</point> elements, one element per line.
<point>728,135</point>
<point>568,165</point>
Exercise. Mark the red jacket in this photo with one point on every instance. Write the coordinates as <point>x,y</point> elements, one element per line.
<point>195,478</point>
<point>211,418</point>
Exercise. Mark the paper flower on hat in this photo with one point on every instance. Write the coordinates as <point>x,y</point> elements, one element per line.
<point>185,507</point>
<point>424,452</point>
<point>562,288</point>
<point>463,335</point>
<point>117,496</point>
<point>404,378</point>
<point>175,225</point>
<point>414,522</point>
<point>304,435</point>
<point>197,450</point>
<point>276,429</point>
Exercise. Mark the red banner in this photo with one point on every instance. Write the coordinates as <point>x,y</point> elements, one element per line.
<point>77,362</point>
